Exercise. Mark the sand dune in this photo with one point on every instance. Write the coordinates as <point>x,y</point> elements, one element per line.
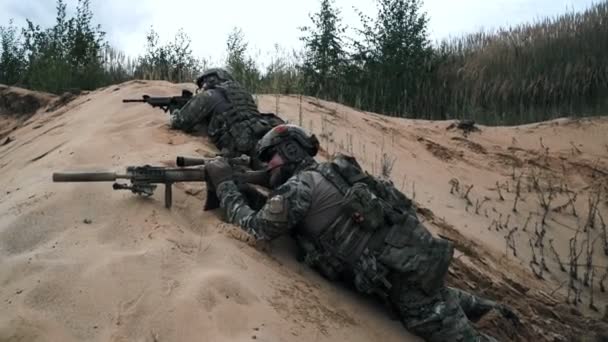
<point>83,262</point>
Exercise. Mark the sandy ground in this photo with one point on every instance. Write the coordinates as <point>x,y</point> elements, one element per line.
<point>83,262</point>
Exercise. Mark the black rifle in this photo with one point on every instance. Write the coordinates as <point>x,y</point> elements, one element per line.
<point>144,179</point>
<point>165,103</point>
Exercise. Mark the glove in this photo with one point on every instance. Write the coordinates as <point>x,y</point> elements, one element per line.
<point>218,171</point>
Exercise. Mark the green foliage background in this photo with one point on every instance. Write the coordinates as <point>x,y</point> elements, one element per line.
<point>551,68</point>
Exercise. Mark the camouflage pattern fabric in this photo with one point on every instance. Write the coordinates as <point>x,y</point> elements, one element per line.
<point>228,115</point>
<point>436,313</point>
<point>438,316</point>
<point>196,111</point>
<point>286,207</point>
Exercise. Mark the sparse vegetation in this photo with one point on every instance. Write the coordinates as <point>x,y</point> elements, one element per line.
<point>508,76</point>
<point>387,163</point>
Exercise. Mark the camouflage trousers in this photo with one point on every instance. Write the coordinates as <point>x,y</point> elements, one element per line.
<point>439,316</point>
<point>239,139</point>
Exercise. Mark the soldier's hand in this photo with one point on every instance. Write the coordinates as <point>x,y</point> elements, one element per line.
<point>218,171</point>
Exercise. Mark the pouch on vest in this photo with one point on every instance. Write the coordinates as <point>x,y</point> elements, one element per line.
<point>363,207</point>
<point>328,266</point>
<point>348,168</point>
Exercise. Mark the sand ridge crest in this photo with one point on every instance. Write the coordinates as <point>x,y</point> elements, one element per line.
<point>84,262</point>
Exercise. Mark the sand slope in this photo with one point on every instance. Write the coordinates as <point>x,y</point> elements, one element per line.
<point>136,271</point>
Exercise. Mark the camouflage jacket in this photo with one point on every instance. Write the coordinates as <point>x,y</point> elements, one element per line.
<point>284,210</point>
<point>198,110</point>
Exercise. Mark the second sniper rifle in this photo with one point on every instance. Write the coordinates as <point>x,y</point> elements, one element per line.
<point>164,103</point>
<point>144,179</point>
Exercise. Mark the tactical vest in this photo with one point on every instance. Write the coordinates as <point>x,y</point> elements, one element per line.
<point>376,233</point>
<point>240,127</point>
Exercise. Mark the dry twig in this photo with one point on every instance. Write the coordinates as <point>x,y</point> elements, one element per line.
<point>517,192</point>
<point>466,194</point>
<point>479,204</point>
<point>602,288</point>
<point>571,201</point>
<point>591,304</point>
<point>533,261</point>
<point>500,198</point>
<point>593,204</point>
<point>573,255</point>
<point>454,186</point>
<point>527,221</point>
<point>387,163</point>
<point>589,260</point>
<point>491,224</point>
<point>575,150</point>
<point>499,223</point>
<point>604,237</point>
<point>556,255</point>
<point>510,241</point>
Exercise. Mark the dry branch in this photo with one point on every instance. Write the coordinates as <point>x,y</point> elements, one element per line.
<point>542,145</point>
<point>533,261</point>
<point>454,186</point>
<point>556,255</point>
<point>387,163</point>
<point>491,224</point>
<point>571,201</point>
<point>575,150</point>
<point>510,241</point>
<point>527,221</point>
<point>466,194</point>
<point>589,260</point>
<point>479,204</point>
<point>499,223</point>
<point>574,255</point>
<point>546,202</point>
<point>539,273</point>
<point>594,201</point>
<point>602,288</point>
<point>604,237</point>
<point>499,192</point>
<point>591,304</point>
<point>517,192</point>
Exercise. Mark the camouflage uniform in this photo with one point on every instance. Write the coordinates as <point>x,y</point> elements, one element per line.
<point>228,115</point>
<point>404,265</point>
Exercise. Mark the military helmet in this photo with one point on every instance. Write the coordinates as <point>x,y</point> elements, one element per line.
<point>282,134</point>
<point>221,74</point>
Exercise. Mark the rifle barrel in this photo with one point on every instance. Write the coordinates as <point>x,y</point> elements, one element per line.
<point>85,176</point>
<point>182,161</point>
<point>133,100</point>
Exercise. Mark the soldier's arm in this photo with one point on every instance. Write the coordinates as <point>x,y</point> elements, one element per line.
<point>286,207</point>
<point>196,110</point>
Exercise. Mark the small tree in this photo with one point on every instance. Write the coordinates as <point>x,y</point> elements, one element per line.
<point>12,55</point>
<point>67,55</point>
<point>393,55</point>
<point>242,67</point>
<point>324,55</point>
<point>173,61</point>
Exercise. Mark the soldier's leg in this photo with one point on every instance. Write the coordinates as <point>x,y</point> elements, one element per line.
<point>433,316</point>
<point>472,305</point>
<point>475,307</point>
